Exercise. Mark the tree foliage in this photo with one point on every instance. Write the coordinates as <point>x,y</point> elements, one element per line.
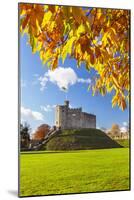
<point>25,135</point>
<point>115,131</point>
<point>41,132</point>
<point>97,37</point>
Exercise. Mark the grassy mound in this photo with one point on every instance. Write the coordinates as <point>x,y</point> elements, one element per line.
<point>81,139</point>
<point>123,142</point>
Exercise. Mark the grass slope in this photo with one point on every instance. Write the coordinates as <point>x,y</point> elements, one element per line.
<point>46,173</point>
<point>81,139</point>
<point>123,142</point>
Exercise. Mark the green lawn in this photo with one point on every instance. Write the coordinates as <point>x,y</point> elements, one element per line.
<point>44,173</point>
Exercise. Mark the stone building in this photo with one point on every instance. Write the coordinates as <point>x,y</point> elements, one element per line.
<point>73,118</point>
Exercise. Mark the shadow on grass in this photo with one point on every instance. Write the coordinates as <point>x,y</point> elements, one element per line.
<point>65,151</point>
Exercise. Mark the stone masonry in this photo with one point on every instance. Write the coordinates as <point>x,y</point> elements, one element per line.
<point>73,118</point>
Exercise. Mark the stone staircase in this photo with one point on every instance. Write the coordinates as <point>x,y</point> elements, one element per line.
<point>50,134</point>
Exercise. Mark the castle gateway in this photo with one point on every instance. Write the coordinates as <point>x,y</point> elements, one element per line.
<point>73,118</point>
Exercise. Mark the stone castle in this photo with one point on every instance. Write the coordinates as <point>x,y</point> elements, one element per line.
<point>73,118</point>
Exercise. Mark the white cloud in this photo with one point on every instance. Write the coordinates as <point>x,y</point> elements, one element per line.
<point>98,127</point>
<point>81,80</point>
<point>33,131</point>
<point>125,123</point>
<point>43,81</point>
<point>70,106</point>
<point>123,129</point>
<point>47,108</point>
<point>28,114</point>
<point>62,77</point>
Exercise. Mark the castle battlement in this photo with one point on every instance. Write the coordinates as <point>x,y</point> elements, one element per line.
<point>73,118</point>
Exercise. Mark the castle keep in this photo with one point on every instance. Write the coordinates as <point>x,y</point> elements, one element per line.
<point>73,118</point>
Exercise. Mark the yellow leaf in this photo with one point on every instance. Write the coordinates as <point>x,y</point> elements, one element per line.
<point>99,13</point>
<point>52,25</point>
<point>46,56</point>
<point>110,88</point>
<point>38,27</point>
<point>23,12</point>
<point>33,43</point>
<point>115,81</point>
<point>55,63</point>
<point>102,91</point>
<point>114,31</point>
<point>45,7</point>
<point>80,30</point>
<point>123,104</point>
<point>78,63</point>
<point>56,8</point>
<point>66,28</point>
<point>46,18</point>
<point>67,49</point>
<point>104,38</point>
<point>114,100</point>
<point>78,49</point>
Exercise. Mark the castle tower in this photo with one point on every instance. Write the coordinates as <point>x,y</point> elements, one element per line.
<point>66,103</point>
<point>73,118</point>
<point>61,115</point>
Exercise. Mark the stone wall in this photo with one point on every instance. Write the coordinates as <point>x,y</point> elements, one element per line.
<point>68,118</point>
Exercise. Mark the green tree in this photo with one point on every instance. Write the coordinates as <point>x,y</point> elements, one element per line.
<point>24,135</point>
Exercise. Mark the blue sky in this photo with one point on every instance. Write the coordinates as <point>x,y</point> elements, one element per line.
<point>41,90</point>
